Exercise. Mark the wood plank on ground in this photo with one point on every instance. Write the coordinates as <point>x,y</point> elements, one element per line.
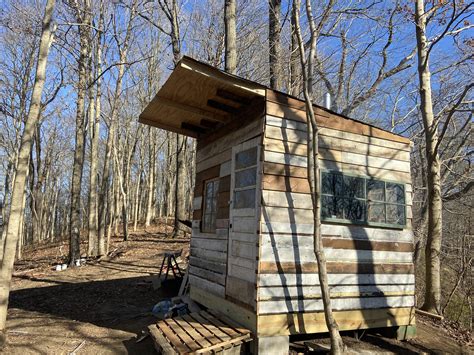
<point>183,334</point>
<point>173,338</point>
<point>162,345</point>
<point>197,337</point>
<point>222,327</point>
<point>211,338</point>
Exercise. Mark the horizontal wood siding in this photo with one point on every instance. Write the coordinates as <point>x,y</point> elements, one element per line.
<point>338,304</point>
<point>314,322</point>
<point>369,268</point>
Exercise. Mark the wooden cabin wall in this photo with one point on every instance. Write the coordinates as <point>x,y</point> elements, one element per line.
<point>209,252</point>
<point>370,270</point>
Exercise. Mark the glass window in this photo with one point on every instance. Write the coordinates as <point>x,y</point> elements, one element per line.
<point>375,190</point>
<point>245,178</point>
<point>395,193</point>
<point>362,200</point>
<point>246,158</point>
<point>244,199</point>
<point>210,206</point>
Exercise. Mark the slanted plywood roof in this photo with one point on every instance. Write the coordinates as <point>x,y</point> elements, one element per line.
<point>197,98</point>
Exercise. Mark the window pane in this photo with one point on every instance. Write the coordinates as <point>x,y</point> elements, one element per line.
<point>244,199</point>
<point>246,158</point>
<point>376,212</point>
<point>210,206</point>
<point>395,193</point>
<point>375,190</point>
<point>327,186</point>
<point>331,207</point>
<point>246,177</point>
<point>354,187</point>
<point>354,209</point>
<point>331,184</point>
<point>396,214</point>
<point>338,184</point>
<point>206,223</point>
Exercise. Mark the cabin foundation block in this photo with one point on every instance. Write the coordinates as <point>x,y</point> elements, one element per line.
<point>274,345</point>
<point>406,332</point>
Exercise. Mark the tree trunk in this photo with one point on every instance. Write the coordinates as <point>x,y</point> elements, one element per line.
<point>313,170</point>
<point>274,14</point>
<point>96,241</point>
<point>180,191</point>
<point>432,301</point>
<point>84,18</point>
<point>103,213</point>
<point>151,175</point>
<point>230,36</point>
<point>294,82</point>
<point>19,184</point>
<point>180,196</point>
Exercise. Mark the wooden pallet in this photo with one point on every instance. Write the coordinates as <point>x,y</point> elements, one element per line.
<point>196,333</point>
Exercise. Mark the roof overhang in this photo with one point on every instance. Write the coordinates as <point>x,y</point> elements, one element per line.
<point>197,99</point>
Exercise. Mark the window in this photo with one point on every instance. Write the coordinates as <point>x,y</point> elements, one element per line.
<point>245,178</point>
<point>210,206</point>
<point>362,200</point>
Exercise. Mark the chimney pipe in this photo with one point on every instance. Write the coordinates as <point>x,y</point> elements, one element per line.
<point>327,101</point>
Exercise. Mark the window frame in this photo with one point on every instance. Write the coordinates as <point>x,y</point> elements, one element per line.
<point>366,222</point>
<point>204,207</point>
<point>248,187</point>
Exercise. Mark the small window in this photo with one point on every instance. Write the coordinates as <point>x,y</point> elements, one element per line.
<point>362,200</point>
<point>211,190</point>
<point>343,197</point>
<point>245,178</point>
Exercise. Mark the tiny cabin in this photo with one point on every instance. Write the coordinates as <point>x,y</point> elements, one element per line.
<point>252,252</point>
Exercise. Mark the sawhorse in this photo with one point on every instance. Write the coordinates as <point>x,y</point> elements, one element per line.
<point>169,258</point>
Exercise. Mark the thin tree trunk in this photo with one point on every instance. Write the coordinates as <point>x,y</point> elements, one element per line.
<point>180,191</point>
<point>151,176</point>
<point>274,14</point>
<point>123,50</point>
<point>230,36</point>
<point>337,345</point>
<point>96,241</point>
<point>294,82</point>
<point>84,18</point>
<point>180,196</point>
<point>18,191</point>
<point>432,301</point>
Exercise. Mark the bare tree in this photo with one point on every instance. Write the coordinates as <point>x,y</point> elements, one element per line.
<point>307,62</point>
<point>83,17</point>
<point>16,212</point>
<point>230,36</point>
<point>433,138</point>
<point>274,34</point>
<point>95,248</point>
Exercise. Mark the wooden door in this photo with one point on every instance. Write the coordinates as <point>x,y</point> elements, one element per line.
<point>243,228</point>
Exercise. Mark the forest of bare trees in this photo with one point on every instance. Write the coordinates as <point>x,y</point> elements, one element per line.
<point>76,165</point>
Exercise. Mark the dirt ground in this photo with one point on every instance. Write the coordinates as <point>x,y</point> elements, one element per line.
<point>102,308</point>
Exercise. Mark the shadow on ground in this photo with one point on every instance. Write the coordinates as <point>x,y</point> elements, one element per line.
<point>123,304</point>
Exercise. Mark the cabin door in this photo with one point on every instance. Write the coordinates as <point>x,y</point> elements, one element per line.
<point>243,228</point>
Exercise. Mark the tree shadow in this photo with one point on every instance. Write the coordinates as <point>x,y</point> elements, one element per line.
<point>370,280</point>
<point>122,304</point>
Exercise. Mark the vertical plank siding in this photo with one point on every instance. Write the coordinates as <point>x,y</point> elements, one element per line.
<point>369,267</point>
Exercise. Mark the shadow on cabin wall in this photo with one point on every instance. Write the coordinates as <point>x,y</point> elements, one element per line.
<point>366,275</point>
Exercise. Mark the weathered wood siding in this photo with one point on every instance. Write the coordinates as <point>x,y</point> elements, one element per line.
<point>209,251</point>
<point>369,268</point>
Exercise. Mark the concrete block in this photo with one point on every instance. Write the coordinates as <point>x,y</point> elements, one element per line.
<point>275,345</point>
<point>406,332</point>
